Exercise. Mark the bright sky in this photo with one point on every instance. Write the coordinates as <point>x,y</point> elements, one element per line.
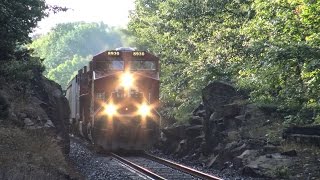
<point>111,12</point>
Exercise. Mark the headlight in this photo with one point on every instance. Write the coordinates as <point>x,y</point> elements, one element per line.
<point>144,110</point>
<point>126,80</point>
<point>110,109</point>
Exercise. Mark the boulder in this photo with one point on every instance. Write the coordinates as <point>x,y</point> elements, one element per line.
<point>28,122</point>
<point>175,132</point>
<point>230,110</point>
<point>256,143</point>
<point>290,153</point>
<point>41,105</point>
<point>4,107</point>
<point>51,99</point>
<point>199,111</point>
<point>195,143</point>
<point>268,149</point>
<point>169,146</point>
<point>245,157</point>
<point>217,94</point>
<point>231,123</point>
<point>181,148</point>
<point>49,124</point>
<point>264,166</point>
<point>218,148</point>
<point>231,145</point>
<point>212,160</point>
<point>196,120</point>
<point>240,118</point>
<point>194,131</point>
<point>304,135</point>
<point>238,150</point>
<point>309,130</point>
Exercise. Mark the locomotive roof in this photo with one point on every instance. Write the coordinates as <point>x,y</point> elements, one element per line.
<point>125,49</point>
<point>103,54</point>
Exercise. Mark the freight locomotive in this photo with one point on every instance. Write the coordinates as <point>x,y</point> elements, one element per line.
<point>114,101</point>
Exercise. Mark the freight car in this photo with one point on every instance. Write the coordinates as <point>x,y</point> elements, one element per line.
<point>114,101</point>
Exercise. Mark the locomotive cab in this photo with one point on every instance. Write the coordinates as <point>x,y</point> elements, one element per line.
<point>118,99</point>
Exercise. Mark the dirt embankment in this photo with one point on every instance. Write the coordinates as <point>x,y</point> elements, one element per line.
<point>34,140</point>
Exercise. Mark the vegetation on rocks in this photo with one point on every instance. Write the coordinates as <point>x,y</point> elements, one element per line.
<point>228,133</point>
<point>269,49</point>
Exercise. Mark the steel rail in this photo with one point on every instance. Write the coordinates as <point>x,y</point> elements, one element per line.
<point>137,167</point>
<point>180,167</point>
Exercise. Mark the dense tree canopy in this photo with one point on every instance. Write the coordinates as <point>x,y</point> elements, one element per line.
<point>17,19</point>
<point>68,47</point>
<point>270,48</point>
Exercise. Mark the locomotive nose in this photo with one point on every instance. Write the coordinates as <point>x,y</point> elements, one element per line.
<point>144,110</point>
<point>126,80</point>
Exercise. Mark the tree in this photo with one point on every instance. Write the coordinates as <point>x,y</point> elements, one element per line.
<point>270,48</point>
<point>17,19</point>
<point>65,48</point>
<point>283,50</point>
<point>198,42</point>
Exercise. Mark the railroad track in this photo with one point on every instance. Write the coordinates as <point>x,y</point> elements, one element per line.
<point>159,168</point>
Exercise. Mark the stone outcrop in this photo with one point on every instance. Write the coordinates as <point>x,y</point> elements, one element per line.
<point>226,131</point>
<point>34,140</point>
<point>40,105</point>
<point>220,112</point>
<point>303,135</point>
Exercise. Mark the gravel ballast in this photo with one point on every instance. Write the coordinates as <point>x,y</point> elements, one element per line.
<point>93,166</point>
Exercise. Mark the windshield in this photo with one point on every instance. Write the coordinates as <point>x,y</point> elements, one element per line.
<point>117,65</point>
<point>109,65</point>
<point>143,65</point>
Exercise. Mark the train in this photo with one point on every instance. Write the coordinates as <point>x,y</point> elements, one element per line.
<point>114,100</point>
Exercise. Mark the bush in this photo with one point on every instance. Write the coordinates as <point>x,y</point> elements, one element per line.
<point>21,68</point>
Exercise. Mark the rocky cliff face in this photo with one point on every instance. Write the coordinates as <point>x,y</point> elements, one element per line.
<point>34,119</point>
<point>39,105</point>
<point>226,131</point>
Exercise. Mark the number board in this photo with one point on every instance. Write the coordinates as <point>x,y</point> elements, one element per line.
<point>138,53</point>
<point>113,53</point>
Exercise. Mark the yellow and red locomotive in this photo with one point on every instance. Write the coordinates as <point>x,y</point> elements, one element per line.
<point>113,102</point>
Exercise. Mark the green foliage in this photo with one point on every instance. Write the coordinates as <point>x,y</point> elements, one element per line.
<point>270,48</point>
<point>282,63</point>
<point>64,72</point>
<point>68,47</point>
<point>282,172</point>
<point>196,40</point>
<point>21,67</point>
<point>17,19</point>
<point>317,119</point>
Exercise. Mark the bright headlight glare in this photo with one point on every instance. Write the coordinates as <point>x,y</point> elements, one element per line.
<point>126,80</point>
<point>110,109</point>
<point>144,110</point>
